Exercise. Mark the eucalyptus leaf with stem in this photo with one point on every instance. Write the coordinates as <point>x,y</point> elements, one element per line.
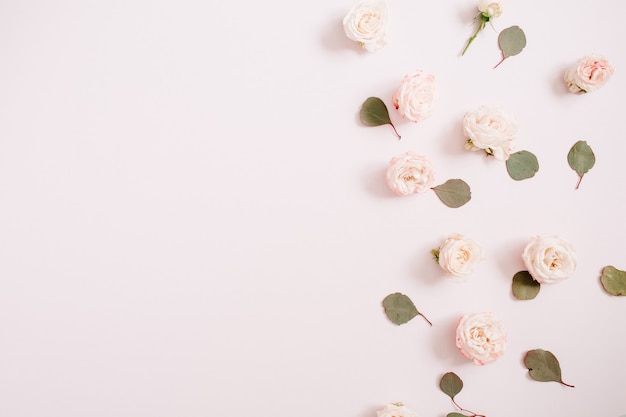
<point>451,384</point>
<point>544,366</point>
<point>374,113</point>
<point>400,309</point>
<point>512,41</point>
<point>581,159</point>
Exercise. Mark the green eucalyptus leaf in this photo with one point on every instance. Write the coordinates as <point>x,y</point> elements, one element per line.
<point>451,384</point>
<point>400,309</point>
<point>453,193</point>
<point>455,414</point>
<point>524,286</point>
<point>543,366</point>
<point>613,280</point>
<point>374,113</point>
<point>581,159</point>
<point>512,41</point>
<point>522,165</point>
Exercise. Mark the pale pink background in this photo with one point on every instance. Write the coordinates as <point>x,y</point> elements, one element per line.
<point>194,222</point>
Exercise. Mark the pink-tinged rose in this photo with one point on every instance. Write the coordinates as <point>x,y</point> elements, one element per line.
<point>416,96</point>
<point>549,259</point>
<point>481,337</point>
<point>395,410</point>
<point>492,130</point>
<point>588,74</point>
<point>410,173</point>
<point>490,8</point>
<point>367,23</point>
<point>459,255</point>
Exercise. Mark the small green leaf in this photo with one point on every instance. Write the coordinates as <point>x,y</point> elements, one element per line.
<point>524,286</point>
<point>456,415</point>
<point>581,159</point>
<point>400,309</point>
<point>543,366</point>
<point>374,113</point>
<point>522,165</point>
<point>613,280</point>
<point>451,384</point>
<point>511,41</point>
<point>453,193</point>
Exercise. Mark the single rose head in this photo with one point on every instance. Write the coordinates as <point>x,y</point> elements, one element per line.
<point>367,23</point>
<point>395,410</point>
<point>481,337</point>
<point>588,74</point>
<point>549,259</point>
<point>490,8</point>
<point>459,255</point>
<point>410,173</point>
<point>492,130</point>
<point>416,96</point>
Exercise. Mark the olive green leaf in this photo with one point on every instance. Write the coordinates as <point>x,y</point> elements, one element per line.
<point>453,193</point>
<point>581,159</point>
<point>451,384</point>
<point>511,41</point>
<point>524,286</point>
<point>522,165</point>
<point>543,366</point>
<point>613,280</point>
<point>400,309</point>
<point>374,113</point>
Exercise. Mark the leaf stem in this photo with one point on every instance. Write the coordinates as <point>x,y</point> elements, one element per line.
<point>567,385</point>
<point>427,321</point>
<point>503,58</point>
<point>473,414</point>
<point>483,21</point>
<point>580,178</point>
<point>395,131</point>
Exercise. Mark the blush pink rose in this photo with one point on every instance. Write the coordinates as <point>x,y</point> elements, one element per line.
<point>492,130</point>
<point>458,255</point>
<point>416,96</point>
<point>410,173</point>
<point>367,23</point>
<point>549,259</point>
<point>588,74</point>
<point>481,337</point>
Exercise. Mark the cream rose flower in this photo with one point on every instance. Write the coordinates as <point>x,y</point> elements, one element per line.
<point>395,410</point>
<point>549,259</point>
<point>481,337</point>
<point>490,8</point>
<point>459,255</point>
<point>492,130</point>
<point>367,23</point>
<point>588,74</point>
<point>410,173</point>
<point>416,96</point>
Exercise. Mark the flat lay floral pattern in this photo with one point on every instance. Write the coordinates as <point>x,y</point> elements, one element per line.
<point>481,337</point>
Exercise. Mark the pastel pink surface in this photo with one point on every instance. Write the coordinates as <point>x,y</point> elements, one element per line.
<point>194,221</point>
